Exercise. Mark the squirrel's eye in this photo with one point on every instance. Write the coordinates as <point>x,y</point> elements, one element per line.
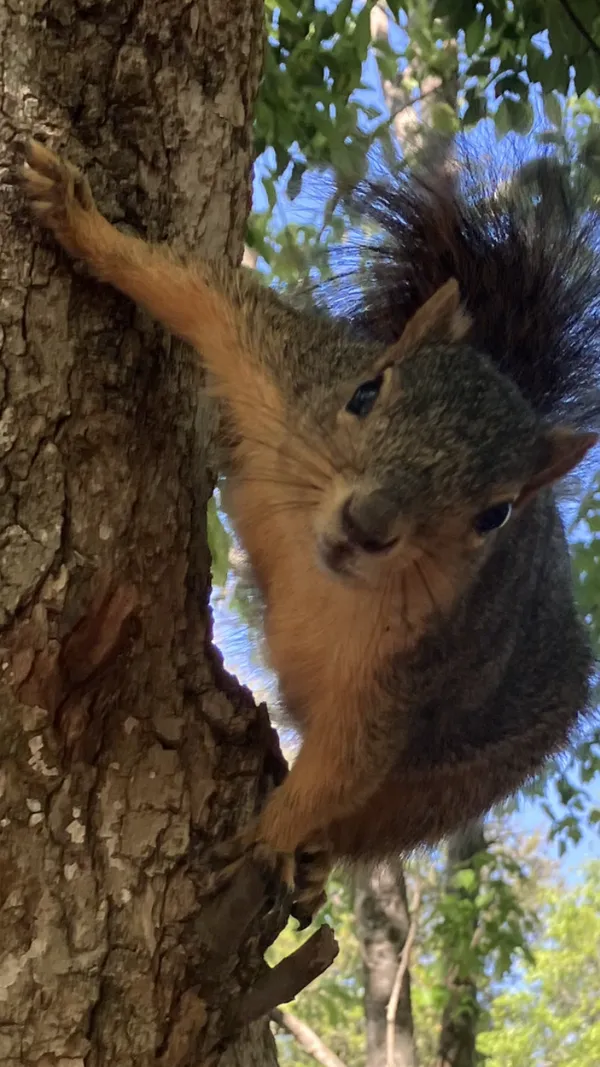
<point>493,518</point>
<point>361,403</point>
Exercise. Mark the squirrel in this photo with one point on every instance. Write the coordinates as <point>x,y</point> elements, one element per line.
<point>393,465</point>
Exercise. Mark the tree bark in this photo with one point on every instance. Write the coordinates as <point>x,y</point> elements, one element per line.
<point>460,1020</point>
<point>126,752</point>
<point>382,928</point>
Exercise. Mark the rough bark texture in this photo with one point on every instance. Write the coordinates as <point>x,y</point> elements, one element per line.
<point>125,751</point>
<point>382,927</point>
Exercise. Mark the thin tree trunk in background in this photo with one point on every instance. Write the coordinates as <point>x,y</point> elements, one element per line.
<point>410,112</point>
<point>383,923</point>
<point>125,750</point>
<point>458,1036</point>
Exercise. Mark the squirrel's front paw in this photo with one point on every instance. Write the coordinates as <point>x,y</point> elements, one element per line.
<point>58,193</point>
<point>246,846</point>
<point>274,862</point>
<point>282,830</point>
<point>301,874</point>
<point>276,841</point>
<point>304,869</point>
<point>276,865</point>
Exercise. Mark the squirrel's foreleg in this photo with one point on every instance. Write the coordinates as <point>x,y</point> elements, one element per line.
<point>333,776</point>
<point>343,760</point>
<point>182,297</point>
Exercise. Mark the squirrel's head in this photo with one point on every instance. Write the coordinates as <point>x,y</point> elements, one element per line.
<point>434,454</point>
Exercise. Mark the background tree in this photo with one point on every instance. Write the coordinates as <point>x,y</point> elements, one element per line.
<point>478,927</point>
<point>386,929</point>
<point>552,1014</point>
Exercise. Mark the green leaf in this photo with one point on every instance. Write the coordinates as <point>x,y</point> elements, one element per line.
<point>443,8</point>
<point>503,118</point>
<point>552,72</point>
<point>552,109</point>
<point>466,879</point>
<point>586,73</point>
<point>444,118</point>
<point>512,83</point>
<point>564,36</point>
<point>516,115</point>
<point>550,137</point>
<point>388,66</point>
<point>480,68</point>
<point>219,543</point>
<point>295,183</point>
<point>362,32</point>
<point>536,65</point>
<point>474,35</point>
<point>476,110</point>
<point>341,14</point>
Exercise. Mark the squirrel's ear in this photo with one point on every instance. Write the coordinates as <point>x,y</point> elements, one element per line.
<point>441,318</point>
<point>564,449</point>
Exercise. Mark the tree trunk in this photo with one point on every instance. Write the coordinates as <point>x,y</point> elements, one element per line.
<point>458,1035</point>
<point>126,752</point>
<point>383,922</point>
<point>409,115</point>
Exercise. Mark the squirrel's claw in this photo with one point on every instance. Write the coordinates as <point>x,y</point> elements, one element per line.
<point>313,864</point>
<point>304,910</point>
<point>280,865</point>
<point>57,191</point>
<point>302,876</point>
<point>246,847</point>
<point>274,864</point>
<point>45,172</point>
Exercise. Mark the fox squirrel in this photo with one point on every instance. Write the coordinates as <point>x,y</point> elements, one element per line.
<point>392,466</point>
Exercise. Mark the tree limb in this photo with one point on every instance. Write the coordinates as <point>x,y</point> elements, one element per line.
<point>574,17</point>
<point>280,984</point>
<point>403,962</point>
<point>307,1039</point>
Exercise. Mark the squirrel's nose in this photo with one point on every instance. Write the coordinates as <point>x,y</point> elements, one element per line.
<point>366,523</point>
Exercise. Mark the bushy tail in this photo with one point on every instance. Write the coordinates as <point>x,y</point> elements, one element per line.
<point>524,246</point>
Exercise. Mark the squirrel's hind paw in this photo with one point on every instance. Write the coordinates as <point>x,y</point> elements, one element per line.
<point>313,866</point>
<point>302,876</point>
